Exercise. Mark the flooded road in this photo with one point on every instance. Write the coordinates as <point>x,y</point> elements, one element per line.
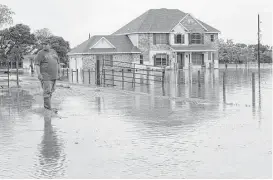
<point>179,130</point>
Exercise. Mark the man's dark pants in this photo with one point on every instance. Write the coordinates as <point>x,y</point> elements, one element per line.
<point>48,88</point>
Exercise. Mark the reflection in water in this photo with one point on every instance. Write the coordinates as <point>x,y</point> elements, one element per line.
<point>98,103</point>
<point>52,157</point>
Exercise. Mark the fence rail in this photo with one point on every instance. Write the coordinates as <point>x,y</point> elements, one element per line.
<point>115,74</point>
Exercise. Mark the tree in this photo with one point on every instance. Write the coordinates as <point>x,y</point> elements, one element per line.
<point>42,35</point>
<point>16,41</point>
<point>60,46</point>
<point>5,15</point>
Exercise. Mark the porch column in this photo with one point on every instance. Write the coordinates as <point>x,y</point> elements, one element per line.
<point>206,59</point>
<point>174,57</point>
<point>186,61</point>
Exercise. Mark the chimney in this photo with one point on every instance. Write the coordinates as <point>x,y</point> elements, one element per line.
<point>89,35</point>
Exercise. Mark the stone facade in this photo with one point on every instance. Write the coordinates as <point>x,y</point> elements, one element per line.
<point>126,58</point>
<point>144,46</point>
<point>207,40</point>
<point>148,49</point>
<point>89,61</point>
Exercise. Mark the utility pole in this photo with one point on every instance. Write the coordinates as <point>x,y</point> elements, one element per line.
<point>259,43</point>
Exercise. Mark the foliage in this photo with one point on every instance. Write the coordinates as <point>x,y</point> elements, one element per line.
<point>229,52</point>
<point>16,41</point>
<point>5,15</point>
<point>57,43</point>
<point>42,35</point>
<point>60,46</point>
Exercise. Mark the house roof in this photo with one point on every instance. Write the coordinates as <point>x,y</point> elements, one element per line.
<point>121,42</point>
<point>157,20</point>
<point>193,48</point>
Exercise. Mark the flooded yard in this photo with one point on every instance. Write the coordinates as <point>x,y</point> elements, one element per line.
<point>174,130</point>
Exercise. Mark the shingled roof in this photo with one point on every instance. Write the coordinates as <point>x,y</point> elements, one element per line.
<point>157,20</point>
<point>121,42</point>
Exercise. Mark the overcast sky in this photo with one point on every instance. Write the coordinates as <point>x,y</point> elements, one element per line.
<point>74,20</point>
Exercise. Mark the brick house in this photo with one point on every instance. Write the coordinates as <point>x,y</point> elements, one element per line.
<point>159,37</point>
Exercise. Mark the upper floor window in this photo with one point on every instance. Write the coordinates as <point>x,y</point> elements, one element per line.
<point>179,39</point>
<point>196,38</point>
<point>161,38</point>
<point>212,38</point>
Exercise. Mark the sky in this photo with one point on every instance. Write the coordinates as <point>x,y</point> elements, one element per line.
<point>75,19</point>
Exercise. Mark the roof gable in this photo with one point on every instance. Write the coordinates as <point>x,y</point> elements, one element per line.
<point>179,28</point>
<point>192,24</point>
<point>103,43</point>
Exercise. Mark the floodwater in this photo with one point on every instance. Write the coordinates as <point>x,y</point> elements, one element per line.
<point>174,130</point>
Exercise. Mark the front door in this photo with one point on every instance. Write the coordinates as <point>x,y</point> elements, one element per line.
<point>180,60</point>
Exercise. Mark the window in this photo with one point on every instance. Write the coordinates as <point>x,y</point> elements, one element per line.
<point>141,59</point>
<point>209,56</point>
<point>161,60</point>
<point>108,60</point>
<point>197,58</point>
<point>196,38</point>
<point>179,39</point>
<point>212,38</point>
<point>161,38</point>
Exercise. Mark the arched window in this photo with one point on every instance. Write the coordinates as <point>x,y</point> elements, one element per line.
<point>179,39</point>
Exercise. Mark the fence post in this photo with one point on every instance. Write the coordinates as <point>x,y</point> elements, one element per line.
<point>72,74</point>
<point>148,73</point>
<point>134,74</point>
<point>67,73</point>
<point>113,77</point>
<point>104,77</point>
<point>98,71</point>
<point>199,84</point>
<point>122,74</point>
<point>163,76</point>
<point>253,89</point>
<point>83,76</point>
<point>89,75</point>
<point>77,75</point>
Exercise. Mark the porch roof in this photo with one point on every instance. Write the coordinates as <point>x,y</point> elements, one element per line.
<point>193,48</point>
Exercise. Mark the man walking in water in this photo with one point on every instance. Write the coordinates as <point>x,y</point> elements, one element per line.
<point>48,71</point>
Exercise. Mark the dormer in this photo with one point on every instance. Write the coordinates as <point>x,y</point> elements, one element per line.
<point>178,35</point>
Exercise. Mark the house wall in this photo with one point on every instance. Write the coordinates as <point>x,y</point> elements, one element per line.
<point>75,62</point>
<point>89,61</point>
<point>124,58</point>
<point>144,46</point>
<point>134,39</point>
<point>207,40</point>
<point>148,49</point>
